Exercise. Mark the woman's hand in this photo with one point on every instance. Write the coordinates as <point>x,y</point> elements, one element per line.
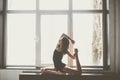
<point>76,50</point>
<point>73,42</point>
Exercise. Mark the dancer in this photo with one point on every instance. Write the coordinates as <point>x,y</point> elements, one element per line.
<point>61,50</point>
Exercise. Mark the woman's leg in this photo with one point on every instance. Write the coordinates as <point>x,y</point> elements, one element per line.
<point>51,71</point>
<point>78,64</point>
<point>74,71</point>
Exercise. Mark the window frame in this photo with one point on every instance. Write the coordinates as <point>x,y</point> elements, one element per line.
<point>69,12</point>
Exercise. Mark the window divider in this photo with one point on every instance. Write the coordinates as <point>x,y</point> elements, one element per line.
<point>38,36</point>
<point>70,30</point>
<point>3,58</point>
<point>105,39</point>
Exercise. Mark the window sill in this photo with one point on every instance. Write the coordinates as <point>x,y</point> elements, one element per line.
<point>84,69</point>
<point>83,76</point>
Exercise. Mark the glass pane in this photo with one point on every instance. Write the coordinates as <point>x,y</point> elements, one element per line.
<point>87,4</point>
<point>108,2</point>
<point>21,4</point>
<point>20,39</point>
<point>87,30</point>
<point>54,4</point>
<point>52,26</point>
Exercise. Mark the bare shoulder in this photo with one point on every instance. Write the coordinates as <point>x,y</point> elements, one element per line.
<point>58,48</point>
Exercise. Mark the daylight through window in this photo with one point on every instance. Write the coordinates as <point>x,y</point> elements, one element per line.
<point>32,31</point>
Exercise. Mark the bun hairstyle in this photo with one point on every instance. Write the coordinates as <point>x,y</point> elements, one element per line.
<point>65,44</point>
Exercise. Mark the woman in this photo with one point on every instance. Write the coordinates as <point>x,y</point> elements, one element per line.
<point>61,50</point>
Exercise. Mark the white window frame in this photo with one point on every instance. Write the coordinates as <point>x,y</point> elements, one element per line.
<point>69,12</point>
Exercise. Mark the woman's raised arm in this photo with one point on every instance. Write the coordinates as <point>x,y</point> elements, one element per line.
<point>64,35</point>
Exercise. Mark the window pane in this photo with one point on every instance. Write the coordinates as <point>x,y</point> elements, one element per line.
<point>53,4</point>
<point>87,30</point>
<point>20,39</point>
<point>21,4</point>
<point>87,4</point>
<point>108,2</point>
<point>52,26</point>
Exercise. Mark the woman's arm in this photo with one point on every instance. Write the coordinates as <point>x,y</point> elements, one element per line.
<point>64,35</point>
<point>75,54</point>
<point>70,55</point>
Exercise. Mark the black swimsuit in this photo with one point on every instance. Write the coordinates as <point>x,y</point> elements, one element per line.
<point>57,59</point>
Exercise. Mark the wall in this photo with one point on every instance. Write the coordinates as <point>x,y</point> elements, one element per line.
<point>114,35</point>
<point>9,74</point>
<point>118,36</point>
<point>1,2</point>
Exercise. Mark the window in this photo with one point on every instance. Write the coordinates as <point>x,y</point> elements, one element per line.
<point>20,39</point>
<point>32,31</point>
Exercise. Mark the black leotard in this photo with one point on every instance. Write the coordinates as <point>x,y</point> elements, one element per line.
<point>57,59</point>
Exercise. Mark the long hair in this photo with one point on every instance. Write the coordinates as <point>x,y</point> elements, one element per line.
<point>65,44</point>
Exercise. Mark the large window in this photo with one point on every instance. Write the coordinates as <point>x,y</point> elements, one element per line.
<point>34,27</point>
